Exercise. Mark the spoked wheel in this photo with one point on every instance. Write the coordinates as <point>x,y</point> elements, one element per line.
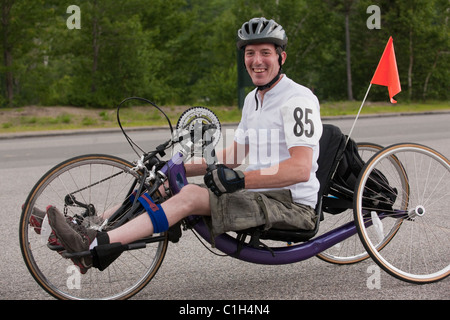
<point>350,250</point>
<point>418,250</point>
<point>91,187</point>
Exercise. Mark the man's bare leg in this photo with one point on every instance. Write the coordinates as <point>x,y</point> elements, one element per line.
<point>191,200</point>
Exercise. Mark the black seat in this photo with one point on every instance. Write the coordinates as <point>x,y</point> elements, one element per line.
<point>331,142</point>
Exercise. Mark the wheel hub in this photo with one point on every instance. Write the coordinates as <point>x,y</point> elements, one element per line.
<point>418,211</point>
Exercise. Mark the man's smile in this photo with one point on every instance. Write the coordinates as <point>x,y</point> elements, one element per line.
<point>259,70</point>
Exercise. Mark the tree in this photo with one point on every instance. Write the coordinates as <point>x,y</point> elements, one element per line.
<point>23,44</point>
<point>422,36</point>
<point>6,6</point>
<point>183,51</point>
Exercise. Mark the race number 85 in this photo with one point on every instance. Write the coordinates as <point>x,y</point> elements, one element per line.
<point>303,119</point>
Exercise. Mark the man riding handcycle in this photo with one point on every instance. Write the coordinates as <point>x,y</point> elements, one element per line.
<point>280,192</point>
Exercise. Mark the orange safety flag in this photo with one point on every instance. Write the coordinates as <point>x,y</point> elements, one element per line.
<point>387,73</point>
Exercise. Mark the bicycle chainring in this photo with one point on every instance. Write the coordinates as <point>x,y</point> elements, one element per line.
<point>192,120</point>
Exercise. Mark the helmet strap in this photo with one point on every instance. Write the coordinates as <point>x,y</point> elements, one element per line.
<point>275,79</point>
<point>268,85</point>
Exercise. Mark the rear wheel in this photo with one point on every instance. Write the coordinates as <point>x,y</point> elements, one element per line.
<point>418,250</point>
<point>351,249</point>
<point>103,183</point>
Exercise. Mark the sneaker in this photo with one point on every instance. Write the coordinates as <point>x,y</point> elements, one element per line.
<point>37,216</point>
<point>72,236</point>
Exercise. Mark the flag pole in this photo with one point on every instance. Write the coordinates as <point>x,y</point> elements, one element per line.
<point>351,130</point>
<point>386,74</point>
<point>357,116</point>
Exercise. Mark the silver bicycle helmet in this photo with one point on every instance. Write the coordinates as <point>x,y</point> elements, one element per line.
<point>260,30</point>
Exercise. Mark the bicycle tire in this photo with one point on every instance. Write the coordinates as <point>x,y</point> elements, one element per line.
<point>93,176</point>
<point>418,251</point>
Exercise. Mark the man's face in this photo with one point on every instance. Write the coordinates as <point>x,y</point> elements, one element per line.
<point>261,61</point>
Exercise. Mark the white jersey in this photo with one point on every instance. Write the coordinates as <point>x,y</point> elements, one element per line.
<point>289,116</point>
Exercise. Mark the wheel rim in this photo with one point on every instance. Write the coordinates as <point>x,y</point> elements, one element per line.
<point>57,275</point>
<point>417,252</point>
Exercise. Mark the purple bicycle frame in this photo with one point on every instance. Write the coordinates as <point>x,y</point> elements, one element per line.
<point>175,172</point>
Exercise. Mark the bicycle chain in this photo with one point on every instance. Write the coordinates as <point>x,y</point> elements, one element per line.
<point>96,183</point>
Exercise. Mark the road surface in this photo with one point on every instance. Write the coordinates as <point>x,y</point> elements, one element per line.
<point>189,270</point>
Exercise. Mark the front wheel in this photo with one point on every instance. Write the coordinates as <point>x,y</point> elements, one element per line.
<point>418,250</point>
<point>92,186</point>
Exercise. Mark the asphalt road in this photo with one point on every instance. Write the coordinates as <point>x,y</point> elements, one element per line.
<point>189,271</point>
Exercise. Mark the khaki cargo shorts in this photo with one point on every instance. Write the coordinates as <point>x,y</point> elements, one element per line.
<point>245,209</point>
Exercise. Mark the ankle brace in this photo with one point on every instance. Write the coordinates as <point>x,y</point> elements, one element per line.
<point>102,238</point>
<point>105,254</point>
<point>155,212</point>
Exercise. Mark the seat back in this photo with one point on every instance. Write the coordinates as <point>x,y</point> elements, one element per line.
<point>331,142</point>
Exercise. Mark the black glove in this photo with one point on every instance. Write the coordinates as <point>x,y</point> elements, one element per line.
<point>224,180</point>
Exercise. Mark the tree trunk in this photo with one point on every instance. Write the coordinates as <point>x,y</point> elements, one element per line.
<point>96,31</point>
<point>7,51</point>
<point>348,54</point>
<point>411,62</point>
<point>427,78</point>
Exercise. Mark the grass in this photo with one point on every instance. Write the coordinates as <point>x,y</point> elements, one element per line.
<point>352,107</point>
<point>67,118</point>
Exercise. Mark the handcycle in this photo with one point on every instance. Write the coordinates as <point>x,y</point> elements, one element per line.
<point>394,214</point>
